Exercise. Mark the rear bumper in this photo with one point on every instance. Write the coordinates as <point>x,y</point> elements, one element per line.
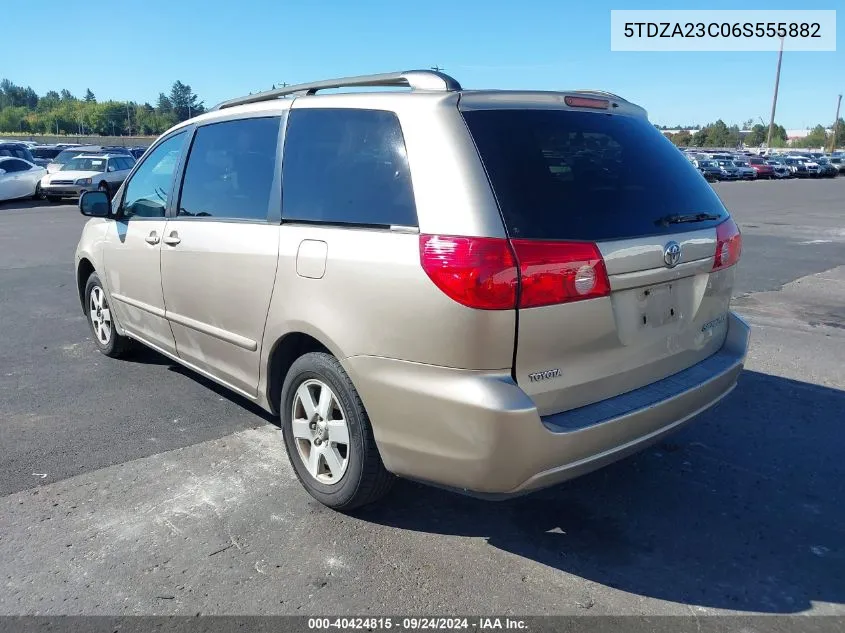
<point>479,432</point>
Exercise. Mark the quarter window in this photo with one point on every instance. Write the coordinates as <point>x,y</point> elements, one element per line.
<point>149,188</point>
<point>230,170</point>
<point>346,166</point>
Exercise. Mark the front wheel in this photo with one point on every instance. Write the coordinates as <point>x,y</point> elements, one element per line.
<point>37,195</point>
<point>106,337</point>
<point>328,436</point>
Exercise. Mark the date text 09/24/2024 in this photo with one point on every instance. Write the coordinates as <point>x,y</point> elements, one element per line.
<point>416,623</point>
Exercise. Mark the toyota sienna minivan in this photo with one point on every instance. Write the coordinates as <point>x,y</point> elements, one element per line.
<point>490,291</point>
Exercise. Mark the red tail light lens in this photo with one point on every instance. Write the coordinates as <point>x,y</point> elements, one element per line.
<point>479,272</point>
<point>728,244</point>
<point>559,272</point>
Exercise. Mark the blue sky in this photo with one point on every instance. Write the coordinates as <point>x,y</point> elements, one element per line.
<point>225,48</point>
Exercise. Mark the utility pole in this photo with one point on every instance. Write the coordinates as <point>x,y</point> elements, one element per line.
<point>128,121</point>
<point>835,124</point>
<point>775,97</point>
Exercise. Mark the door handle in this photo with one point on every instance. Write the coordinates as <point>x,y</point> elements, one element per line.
<point>152,238</point>
<point>173,239</point>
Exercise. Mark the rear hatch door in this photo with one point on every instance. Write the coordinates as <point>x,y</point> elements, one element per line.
<point>569,180</point>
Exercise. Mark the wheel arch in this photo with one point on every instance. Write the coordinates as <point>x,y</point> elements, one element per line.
<point>283,353</point>
<point>83,271</point>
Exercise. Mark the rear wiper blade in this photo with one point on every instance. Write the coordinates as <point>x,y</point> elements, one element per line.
<point>690,217</point>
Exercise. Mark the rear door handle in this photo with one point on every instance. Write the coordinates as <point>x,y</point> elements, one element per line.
<point>173,239</point>
<point>152,238</point>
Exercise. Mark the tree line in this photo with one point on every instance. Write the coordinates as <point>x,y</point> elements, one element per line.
<point>719,134</point>
<point>24,111</point>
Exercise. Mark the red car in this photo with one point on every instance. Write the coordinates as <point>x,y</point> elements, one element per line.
<point>763,169</point>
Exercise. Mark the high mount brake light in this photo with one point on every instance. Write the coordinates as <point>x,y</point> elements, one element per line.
<point>587,102</point>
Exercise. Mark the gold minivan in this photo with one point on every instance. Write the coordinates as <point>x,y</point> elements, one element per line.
<point>491,291</point>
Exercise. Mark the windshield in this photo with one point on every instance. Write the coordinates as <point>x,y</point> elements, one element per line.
<point>85,164</point>
<point>559,174</point>
<point>66,155</point>
<point>726,163</point>
<point>707,163</point>
<point>740,163</point>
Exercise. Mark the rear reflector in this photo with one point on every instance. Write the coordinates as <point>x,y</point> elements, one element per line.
<point>478,272</point>
<point>559,272</point>
<point>587,102</point>
<point>728,244</point>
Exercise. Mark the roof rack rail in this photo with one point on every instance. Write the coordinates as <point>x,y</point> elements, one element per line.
<point>414,79</point>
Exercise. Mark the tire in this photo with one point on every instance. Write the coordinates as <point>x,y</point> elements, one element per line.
<point>37,195</point>
<point>361,476</point>
<point>111,344</point>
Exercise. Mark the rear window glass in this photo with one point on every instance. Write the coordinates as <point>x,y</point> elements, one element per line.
<point>559,174</point>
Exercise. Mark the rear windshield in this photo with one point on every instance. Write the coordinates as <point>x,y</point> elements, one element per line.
<point>45,152</point>
<point>559,174</point>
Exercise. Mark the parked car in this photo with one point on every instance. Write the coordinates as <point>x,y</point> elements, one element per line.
<point>780,170</point>
<point>16,150</point>
<point>826,168</point>
<point>19,178</point>
<point>761,167</point>
<point>838,161</point>
<point>729,170</point>
<point>744,169</point>
<point>811,167</point>
<point>87,172</point>
<point>798,167</point>
<point>72,152</point>
<point>461,330</point>
<point>44,154</point>
<point>709,169</point>
<point>137,152</point>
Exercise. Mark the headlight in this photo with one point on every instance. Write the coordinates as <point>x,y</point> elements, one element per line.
<point>83,181</point>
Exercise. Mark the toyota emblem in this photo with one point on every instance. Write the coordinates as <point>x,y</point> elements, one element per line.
<point>671,254</point>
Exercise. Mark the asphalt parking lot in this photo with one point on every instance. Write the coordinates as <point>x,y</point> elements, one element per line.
<point>138,487</point>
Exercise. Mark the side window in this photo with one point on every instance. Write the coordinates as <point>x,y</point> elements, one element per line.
<point>147,192</point>
<point>230,169</point>
<point>344,166</point>
<point>112,165</point>
<point>14,165</point>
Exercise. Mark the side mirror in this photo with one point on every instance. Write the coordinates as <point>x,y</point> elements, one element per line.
<point>95,204</point>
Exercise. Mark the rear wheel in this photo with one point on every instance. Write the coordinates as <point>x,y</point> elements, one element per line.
<point>106,337</point>
<point>328,436</point>
<point>37,194</point>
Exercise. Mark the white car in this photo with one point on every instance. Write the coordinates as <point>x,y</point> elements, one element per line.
<point>105,172</point>
<point>19,178</point>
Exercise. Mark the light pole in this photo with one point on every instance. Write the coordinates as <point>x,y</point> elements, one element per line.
<point>835,124</point>
<point>775,97</point>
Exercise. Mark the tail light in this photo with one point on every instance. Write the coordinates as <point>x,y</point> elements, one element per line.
<point>728,244</point>
<point>559,272</point>
<point>483,272</point>
<point>478,272</point>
